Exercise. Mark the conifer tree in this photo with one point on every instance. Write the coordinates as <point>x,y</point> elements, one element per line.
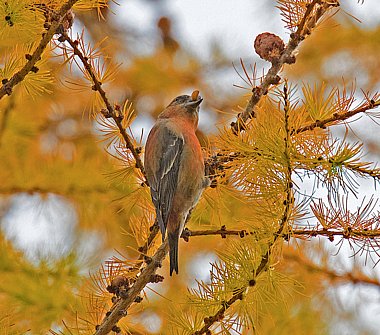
<point>285,164</point>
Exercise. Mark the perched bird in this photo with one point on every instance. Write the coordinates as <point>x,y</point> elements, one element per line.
<point>174,168</point>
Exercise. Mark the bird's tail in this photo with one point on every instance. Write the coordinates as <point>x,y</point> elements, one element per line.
<point>173,238</point>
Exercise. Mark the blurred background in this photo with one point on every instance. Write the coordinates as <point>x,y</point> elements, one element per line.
<point>64,208</point>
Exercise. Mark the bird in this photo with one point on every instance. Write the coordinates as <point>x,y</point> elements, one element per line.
<point>175,169</point>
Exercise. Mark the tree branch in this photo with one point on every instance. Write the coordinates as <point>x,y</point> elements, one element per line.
<point>307,23</point>
<point>154,229</point>
<point>296,233</point>
<point>338,117</point>
<point>19,76</point>
<point>215,163</point>
<point>330,233</point>
<point>111,113</point>
<point>288,203</point>
<point>119,309</point>
<point>223,232</point>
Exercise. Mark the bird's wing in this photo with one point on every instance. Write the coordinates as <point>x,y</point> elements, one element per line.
<point>166,176</point>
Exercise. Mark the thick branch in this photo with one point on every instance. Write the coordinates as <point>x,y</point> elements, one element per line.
<point>110,109</point>
<point>308,22</point>
<point>121,306</point>
<point>19,76</point>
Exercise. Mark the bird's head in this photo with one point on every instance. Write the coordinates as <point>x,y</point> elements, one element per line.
<point>184,106</point>
<point>190,103</point>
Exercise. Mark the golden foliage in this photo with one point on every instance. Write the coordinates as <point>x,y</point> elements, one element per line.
<point>292,12</point>
<point>48,146</point>
<point>22,21</point>
<point>36,83</point>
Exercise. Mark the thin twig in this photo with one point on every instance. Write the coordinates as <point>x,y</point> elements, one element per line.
<point>19,76</point>
<point>120,308</point>
<point>330,233</point>
<point>110,109</point>
<point>154,229</point>
<point>337,117</point>
<point>128,141</point>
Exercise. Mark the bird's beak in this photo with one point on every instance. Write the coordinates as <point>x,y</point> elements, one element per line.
<point>195,103</point>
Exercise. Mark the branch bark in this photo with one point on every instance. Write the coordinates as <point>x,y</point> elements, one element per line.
<point>110,109</point>
<point>297,233</point>
<point>339,117</point>
<point>121,306</point>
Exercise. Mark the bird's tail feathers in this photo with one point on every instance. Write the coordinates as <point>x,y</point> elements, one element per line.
<point>161,224</point>
<point>173,238</point>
